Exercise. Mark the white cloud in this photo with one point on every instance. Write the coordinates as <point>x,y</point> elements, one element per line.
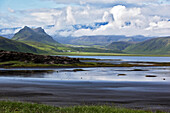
<point>70,18</point>
<point>11,10</point>
<point>9,31</point>
<point>129,21</point>
<point>159,25</point>
<point>133,17</point>
<point>82,2</point>
<point>107,17</point>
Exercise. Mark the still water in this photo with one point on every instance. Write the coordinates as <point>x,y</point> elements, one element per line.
<point>129,58</point>
<point>97,74</point>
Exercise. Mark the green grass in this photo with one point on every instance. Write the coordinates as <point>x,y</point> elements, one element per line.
<point>14,64</point>
<point>18,107</point>
<point>18,64</point>
<point>106,54</point>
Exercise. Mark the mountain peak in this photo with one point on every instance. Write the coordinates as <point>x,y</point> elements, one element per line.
<point>34,35</point>
<point>39,30</point>
<point>26,27</point>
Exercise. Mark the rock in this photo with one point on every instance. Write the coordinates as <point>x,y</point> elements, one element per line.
<point>150,76</point>
<point>29,57</point>
<point>121,75</point>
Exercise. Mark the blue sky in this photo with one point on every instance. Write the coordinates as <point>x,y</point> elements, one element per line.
<point>146,17</point>
<point>27,4</point>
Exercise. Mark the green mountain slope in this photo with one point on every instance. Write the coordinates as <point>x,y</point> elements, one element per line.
<point>118,45</point>
<point>11,45</point>
<point>152,46</point>
<point>34,35</point>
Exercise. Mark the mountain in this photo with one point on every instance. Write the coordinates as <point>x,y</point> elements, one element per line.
<point>34,35</point>
<point>102,40</point>
<point>153,46</point>
<point>12,45</point>
<point>118,45</point>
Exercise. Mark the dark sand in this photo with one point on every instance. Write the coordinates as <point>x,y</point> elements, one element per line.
<point>138,95</point>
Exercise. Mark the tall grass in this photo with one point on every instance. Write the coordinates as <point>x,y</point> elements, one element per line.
<point>18,107</point>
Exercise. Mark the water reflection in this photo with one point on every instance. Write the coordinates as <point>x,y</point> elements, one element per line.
<point>130,58</point>
<point>25,73</point>
<point>94,74</point>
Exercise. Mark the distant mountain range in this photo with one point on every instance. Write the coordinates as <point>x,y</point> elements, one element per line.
<point>33,35</point>
<point>102,40</point>
<point>37,41</point>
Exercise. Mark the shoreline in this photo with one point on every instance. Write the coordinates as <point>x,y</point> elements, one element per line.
<point>109,54</point>
<point>92,63</point>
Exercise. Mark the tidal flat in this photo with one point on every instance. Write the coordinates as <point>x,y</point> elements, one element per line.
<point>127,87</point>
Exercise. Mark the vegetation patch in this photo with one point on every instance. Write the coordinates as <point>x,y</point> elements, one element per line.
<point>150,76</point>
<point>75,70</point>
<point>19,64</point>
<point>121,75</point>
<point>138,70</point>
<point>18,107</point>
<point>134,69</point>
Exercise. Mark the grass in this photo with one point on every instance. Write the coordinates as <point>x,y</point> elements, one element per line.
<point>14,64</point>
<point>18,107</point>
<point>18,64</point>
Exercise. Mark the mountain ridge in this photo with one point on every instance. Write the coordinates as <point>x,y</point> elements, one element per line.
<point>102,40</point>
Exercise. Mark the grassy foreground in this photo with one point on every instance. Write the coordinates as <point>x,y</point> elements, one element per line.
<point>18,107</point>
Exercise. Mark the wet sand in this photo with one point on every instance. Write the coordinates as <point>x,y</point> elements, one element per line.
<point>138,95</point>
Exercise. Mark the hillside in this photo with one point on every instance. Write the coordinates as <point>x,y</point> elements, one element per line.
<point>11,45</point>
<point>34,35</point>
<point>152,46</point>
<point>118,45</point>
<point>52,49</point>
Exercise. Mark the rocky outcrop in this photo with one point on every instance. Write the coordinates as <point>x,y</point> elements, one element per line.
<point>29,57</point>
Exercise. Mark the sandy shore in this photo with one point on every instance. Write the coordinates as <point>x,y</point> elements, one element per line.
<point>138,95</point>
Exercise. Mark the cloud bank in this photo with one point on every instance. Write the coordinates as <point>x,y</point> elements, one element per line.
<point>123,17</point>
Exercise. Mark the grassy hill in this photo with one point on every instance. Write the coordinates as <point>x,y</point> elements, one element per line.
<point>118,45</point>
<point>11,45</point>
<point>152,46</point>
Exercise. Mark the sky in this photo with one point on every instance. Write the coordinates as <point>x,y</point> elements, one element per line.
<point>124,17</point>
